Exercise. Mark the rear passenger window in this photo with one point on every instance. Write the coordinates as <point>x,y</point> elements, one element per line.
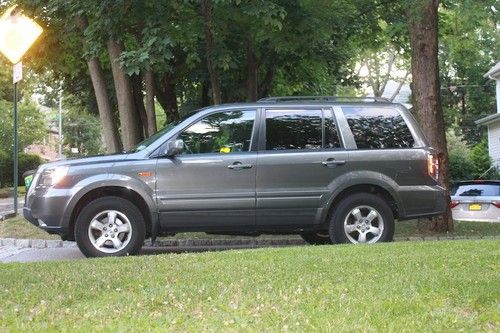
<point>293,129</point>
<point>378,128</point>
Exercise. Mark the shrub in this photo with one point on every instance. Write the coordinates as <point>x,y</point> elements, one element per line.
<point>25,162</point>
<point>481,160</point>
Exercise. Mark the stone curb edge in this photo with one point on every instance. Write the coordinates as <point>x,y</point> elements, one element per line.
<point>7,216</point>
<point>173,243</point>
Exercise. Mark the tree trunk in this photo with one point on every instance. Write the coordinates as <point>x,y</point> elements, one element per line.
<point>205,98</point>
<point>109,130</point>
<point>423,29</point>
<point>150,102</point>
<point>129,119</point>
<point>206,12</point>
<point>252,67</point>
<point>267,83</point>
<point>139,102</point>
<point>167,97</point>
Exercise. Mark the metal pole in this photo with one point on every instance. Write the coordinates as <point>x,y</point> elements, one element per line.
<point>60,125</point>
<point>15,149</point>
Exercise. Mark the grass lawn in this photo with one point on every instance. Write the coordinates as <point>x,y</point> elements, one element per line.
<point>446,286</point>
<point>20,228</point>
<point>7,192</point>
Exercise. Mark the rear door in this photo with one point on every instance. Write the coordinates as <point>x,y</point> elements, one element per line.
<point>300,154</point>
<point>213,182</point>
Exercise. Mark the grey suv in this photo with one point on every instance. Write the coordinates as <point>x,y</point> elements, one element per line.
<point>332,170</point>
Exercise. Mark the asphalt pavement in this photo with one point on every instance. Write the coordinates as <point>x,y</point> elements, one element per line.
<point>7,205</point>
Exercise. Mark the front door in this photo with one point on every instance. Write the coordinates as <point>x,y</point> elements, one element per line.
<point>212,183</point>
<point>297,165</point>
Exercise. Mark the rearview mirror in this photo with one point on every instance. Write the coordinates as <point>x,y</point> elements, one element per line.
<point>174,147</point>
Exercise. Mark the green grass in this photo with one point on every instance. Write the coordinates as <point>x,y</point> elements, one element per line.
<point>444,286</point>
<point>20,228</point>
<point>6,192</point>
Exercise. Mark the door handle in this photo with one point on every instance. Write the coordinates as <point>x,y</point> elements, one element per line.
<point>331,162</point>
<point>239,166</point>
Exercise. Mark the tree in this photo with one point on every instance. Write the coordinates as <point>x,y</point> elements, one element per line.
<point>31,128</point>
<point>81,131</point>
<point>422,18</point>
<point>469,47</point>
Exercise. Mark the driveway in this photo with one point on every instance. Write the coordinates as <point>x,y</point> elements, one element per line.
<point>7,205</point>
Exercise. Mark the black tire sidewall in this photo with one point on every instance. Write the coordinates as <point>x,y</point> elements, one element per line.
<point>336,230</point>
<point>314,239</point>
<point>106,203</point>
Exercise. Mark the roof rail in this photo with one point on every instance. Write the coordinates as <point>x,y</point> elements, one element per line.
<point>324,99</point>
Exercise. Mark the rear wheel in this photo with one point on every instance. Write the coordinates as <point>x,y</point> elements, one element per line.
<point>110,226</point>
<point>362,218</point>
<point>317,238</point>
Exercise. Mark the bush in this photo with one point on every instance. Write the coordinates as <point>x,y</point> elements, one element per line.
<point>26,162</point>
<point>481,160</point>
<point>461,166</point>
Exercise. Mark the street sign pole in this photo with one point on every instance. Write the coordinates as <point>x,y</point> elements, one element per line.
<point>16,167</point>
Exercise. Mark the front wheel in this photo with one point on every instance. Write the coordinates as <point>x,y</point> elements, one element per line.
<point>362,218</point>
<point>110,226</point>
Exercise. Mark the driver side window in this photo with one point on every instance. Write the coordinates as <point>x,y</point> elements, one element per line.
<point>223,132</point>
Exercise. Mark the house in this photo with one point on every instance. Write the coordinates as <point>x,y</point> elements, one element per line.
<point>492,122</point>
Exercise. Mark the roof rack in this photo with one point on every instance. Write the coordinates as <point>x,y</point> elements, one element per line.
<point>323,99</point>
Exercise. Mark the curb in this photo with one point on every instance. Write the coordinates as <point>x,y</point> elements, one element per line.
<point>7,216</point>
<point>216,243</point>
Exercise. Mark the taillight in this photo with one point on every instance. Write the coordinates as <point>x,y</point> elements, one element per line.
<point>433,166</point>
<point>454,204</point>
<point>496,204</point>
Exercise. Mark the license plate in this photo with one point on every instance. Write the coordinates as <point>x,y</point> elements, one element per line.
<point>474,207</point>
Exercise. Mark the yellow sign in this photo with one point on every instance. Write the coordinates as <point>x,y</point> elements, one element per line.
<point>17,33</point>
<point>225,150</point>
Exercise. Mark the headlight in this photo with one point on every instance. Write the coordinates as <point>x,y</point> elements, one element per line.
<point>52,176</point>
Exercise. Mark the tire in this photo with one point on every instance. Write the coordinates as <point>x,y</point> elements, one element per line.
<point>362,218</point>
<point>94,236</point>
<point>316,238</point>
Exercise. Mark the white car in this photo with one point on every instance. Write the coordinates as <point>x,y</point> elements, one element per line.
<point>476,200</point>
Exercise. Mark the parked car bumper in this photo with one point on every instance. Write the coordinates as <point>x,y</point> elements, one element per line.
<point>422,201</point>
<point>45,210</point>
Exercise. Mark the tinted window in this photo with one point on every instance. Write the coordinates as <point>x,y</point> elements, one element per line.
<point>223,132</point>
<point>293,129</point>
<point>331,135</point>
<point>476,190</point>
<point>378,128</point>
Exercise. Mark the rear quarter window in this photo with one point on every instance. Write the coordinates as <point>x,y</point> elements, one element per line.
<point>378,128</point>
<point>476,190</point>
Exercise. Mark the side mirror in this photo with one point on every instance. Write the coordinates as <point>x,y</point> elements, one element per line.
<point>174,147</point>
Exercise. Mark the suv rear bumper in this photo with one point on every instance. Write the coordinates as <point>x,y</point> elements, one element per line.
<point>422,201</point>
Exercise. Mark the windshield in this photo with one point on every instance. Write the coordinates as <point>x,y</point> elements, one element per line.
<point>146,143</point>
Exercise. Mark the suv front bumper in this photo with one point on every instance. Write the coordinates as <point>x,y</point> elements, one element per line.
<point>45,209</point>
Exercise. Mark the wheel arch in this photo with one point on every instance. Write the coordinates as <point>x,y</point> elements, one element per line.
<point>119,191</point>
<point>371,188</point>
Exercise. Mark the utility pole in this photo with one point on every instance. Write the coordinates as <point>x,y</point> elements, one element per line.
<point>60,125</point>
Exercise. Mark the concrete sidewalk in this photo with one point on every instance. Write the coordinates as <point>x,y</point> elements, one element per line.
<point>7,207</point>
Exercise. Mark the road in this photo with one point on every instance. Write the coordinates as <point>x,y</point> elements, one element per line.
<point>7,205</point>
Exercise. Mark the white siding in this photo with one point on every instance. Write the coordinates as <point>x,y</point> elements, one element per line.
<point>494,142</point>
